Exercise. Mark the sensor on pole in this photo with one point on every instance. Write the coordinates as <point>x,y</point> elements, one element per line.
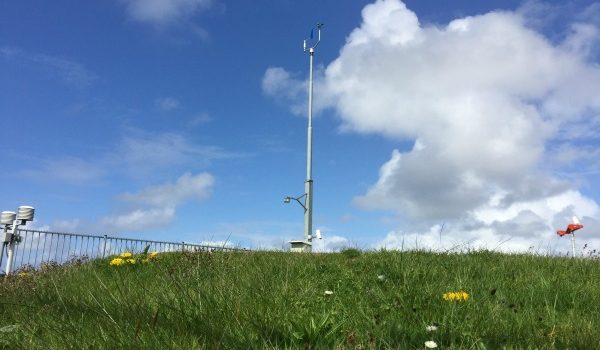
<point>11,222</point>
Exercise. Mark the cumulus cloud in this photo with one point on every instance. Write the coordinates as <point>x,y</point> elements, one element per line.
<point>330,244</point>
<point>486,101</point>
<point>281,85</point>
<point>291,90</point>
<point>156,206</point>
<point>525,232</point>
<point>275,235</point>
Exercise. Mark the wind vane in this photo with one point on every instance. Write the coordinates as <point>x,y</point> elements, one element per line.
<point>571,228</point>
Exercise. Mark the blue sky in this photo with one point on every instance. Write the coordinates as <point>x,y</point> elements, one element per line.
<point>185,120</point>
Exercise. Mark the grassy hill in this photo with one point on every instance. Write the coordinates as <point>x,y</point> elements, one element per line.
<point>260,300</point>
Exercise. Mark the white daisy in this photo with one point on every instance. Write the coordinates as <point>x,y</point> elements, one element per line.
<point>430,344</point>
<point>431,328</point>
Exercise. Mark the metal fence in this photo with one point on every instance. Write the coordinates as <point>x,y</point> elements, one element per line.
<point>32,249</point>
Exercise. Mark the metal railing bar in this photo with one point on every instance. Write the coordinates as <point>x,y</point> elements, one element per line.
<point>128,239</point>
<point>62,250</point>
<point>69,247</point>
<point>87,242</point>
<point>30,248</point>
<point>18,255</point>
<point>53,241</point>
<point>36,247</point>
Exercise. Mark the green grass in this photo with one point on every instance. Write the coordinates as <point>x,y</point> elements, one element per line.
<point>260,300</point>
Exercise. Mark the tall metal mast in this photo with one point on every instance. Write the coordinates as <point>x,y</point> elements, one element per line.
<point>308,183</point>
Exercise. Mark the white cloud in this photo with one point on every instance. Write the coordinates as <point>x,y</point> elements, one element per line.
<point>167,103</point>
<point>155,206</point>
<point>265,235</point>
<point>275,235</point>
<point>290,90</point>
<point>137,154</point>
<point>485,99</point>
<point>186,187</point>
<point>70,170</point>
<point>525,231</point>
<point>72,225</point>
<point>140,219</point>
<point>331,243</point>
<point>199,119</point>
<point>66,226</point>
<point>280,84</point>
<point>65,70</point>
<point>164,12</point>
<point>219,244</point>
<point>142,152</point>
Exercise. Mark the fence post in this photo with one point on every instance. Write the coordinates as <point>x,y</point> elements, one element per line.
<point>104,247</point>
<point>2,252</point>
<point>183,247</point>
<point>11,256</point>
<point>11,248</point>
<point>3,242</point>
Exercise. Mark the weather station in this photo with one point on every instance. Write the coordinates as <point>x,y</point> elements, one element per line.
<point>307,204</point>
<point>8,236</point>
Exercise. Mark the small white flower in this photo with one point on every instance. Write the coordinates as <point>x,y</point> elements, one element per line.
<point>328,292</point>
<point>430,344</point>
<point>431,328</point>
<point>9,328</point>
<point>381,277</point>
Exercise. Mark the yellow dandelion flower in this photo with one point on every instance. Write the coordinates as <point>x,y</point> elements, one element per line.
<point>153,254</point>
<point>126,255</point>
<point>117,262</point>
<point>456,296</point>
<point>24,274</point>
<point>131,261</point>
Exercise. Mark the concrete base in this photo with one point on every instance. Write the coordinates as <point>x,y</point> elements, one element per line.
<point>300,247</point>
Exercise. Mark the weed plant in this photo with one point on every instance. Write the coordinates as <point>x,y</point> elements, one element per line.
<point>276,300</point>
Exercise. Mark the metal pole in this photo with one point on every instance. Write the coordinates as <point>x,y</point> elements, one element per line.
<point>11,247</point>
<point>3,243</point>
<point>308,184</point>
<point>104,247</point>
<point>306,246</point>
<point>573,243</point>
<point>2,252</point>
<point>11,254</point>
